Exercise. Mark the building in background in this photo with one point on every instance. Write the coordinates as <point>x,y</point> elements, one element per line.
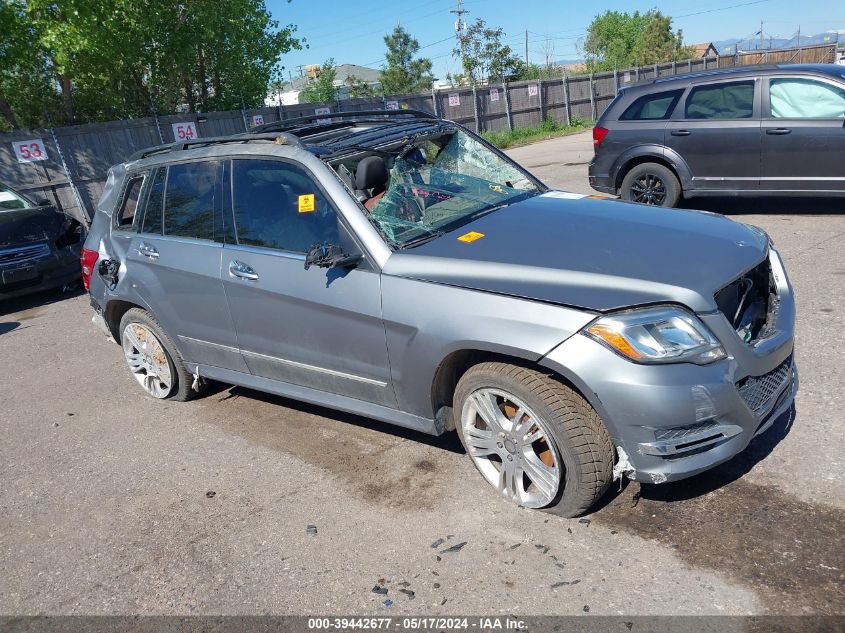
<point>705,49</point>
<point>289,93</point>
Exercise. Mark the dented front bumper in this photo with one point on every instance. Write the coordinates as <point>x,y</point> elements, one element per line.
<point>670,422</point>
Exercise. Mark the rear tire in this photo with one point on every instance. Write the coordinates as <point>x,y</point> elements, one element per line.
<point>652,184</point>
<point>572,441</point>
<point>158,367</point>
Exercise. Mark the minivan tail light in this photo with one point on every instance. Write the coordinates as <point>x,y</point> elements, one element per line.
<point>598,135</point>
<point>89,260</point>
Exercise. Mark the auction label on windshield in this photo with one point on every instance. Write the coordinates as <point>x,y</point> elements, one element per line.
<point>306,203</point>
<point>470,237</point>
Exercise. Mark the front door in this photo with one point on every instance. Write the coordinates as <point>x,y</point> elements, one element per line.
<point>804,135</point>
<point>318,328</point>
<point>717,132</point>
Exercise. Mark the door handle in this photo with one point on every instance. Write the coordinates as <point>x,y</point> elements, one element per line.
<point>778,131</point>
<point>242,271</point>
<point>680,132</point>
<point>147,251</point>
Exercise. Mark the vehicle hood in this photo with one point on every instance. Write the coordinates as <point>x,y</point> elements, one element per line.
<point>594,254</point>
<point>23,226</point>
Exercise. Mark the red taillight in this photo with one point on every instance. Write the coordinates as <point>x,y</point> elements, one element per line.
<point>598,135</point>
<point>89,260</point>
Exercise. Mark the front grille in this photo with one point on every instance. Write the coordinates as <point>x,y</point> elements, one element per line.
<point>680,432</point>
<point>21,255</point>
<point>760,392</point>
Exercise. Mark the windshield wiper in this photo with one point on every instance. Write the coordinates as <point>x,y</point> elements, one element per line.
<point>423,239</point>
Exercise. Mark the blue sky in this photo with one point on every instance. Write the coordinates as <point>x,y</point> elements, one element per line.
<point>351,31</point>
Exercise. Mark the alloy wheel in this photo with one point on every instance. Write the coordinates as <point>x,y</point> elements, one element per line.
<point>648,189</point>
<point>147,360</point>
<point>511,447</point>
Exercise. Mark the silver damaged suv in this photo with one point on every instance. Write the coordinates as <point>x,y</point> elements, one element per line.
<point>396,266</point>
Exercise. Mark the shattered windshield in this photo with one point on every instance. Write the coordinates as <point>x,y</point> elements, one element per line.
<point>439,183</point>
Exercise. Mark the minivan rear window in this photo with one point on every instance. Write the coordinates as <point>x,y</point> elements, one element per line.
<point>652,107</point>
<point>721,101</point>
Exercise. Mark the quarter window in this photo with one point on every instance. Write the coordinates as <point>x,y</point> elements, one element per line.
<point>652,107</point>
<point>721,101</point>
<point>192,196</point>
<point>805,99</point>
<point>155,204</point>
<point>278,205</point>
<point>130,202</point>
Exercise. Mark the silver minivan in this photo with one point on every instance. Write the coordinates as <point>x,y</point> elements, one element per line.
<point>396,266</point>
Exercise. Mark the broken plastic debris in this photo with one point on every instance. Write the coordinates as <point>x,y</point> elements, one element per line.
<point>586,608</point>
<point>311,529</point>
<point>388,603</point>
<point>438,543</point>
<point>379,589</point>
<point>411,595</point>
<point>564,583</point>
<point>455,548</point>
<point>442,602</point>
<point>584,521</point>
<point>210,494</point>
<point>623,465</point>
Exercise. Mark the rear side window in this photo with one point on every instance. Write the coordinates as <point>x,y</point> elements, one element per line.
<point>805,99</point>
<point>10,200</point>
<point>155,203</point>
<point>192,196</point>
<point>722,101</point>
<point>129,205</point>
<point>652,107</point>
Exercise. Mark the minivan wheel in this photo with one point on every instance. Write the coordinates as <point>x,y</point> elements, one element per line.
<point>652,184</point>
<point>152,358</point>
<point>534,439</point>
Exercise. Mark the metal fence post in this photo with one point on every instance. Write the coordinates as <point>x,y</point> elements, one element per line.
<point>689,65</point>
<point>243,115</point>
<point>566,103</point>
<point>592,98</point>
<point>637,72</point>
<point>615,82</point>
<point>656,72</point>
<point>475,110</point>
<point>434,101</point>
<point>507,104</point>
<point>540,97</point>
<point>674,67</point>
<point>76,196</point>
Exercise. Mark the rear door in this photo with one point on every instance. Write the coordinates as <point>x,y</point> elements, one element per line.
<point>716,130</point>
<point>175,261</point>
<point>804,134</point>
<point>318,328</point>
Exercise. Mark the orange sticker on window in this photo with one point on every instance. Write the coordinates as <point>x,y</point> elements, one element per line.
<point>306,203</point>
<point>470,237</point>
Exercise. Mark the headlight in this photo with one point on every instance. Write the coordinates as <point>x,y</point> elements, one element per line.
<point>657,335</point>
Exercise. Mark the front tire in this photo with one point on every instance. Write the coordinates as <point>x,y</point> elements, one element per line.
<point>533,438</point>
<point>651,184</point>
<point>153,358</point>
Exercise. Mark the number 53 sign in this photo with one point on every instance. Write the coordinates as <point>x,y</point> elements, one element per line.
<point>185,131</point>
<point>30,151</point>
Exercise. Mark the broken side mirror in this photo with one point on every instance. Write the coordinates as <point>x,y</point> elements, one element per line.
<point>327,255</point>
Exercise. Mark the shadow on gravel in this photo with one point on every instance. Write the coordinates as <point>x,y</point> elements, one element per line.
<point>770,205</point>
<point>789,551</point>
<point>37,300</point>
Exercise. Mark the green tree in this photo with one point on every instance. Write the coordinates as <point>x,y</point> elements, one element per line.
<point>358,88</point>
<point>618,40</point>
<point>104,59</point>
<point>404,74</point>
<point>483,55</point>
<point>321,89</point>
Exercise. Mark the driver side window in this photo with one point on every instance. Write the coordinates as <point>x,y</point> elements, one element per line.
<point>278,205</point>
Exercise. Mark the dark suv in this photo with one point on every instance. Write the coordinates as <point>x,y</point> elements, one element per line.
<point>762,130</point>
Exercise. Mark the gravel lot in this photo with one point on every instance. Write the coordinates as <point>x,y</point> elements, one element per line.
<point>113,503</point>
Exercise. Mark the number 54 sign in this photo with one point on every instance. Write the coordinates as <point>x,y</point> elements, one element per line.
<point>185,131</point>
<point>30,151</point>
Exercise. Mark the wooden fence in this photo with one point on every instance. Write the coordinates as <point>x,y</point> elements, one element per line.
<point>78,157</point>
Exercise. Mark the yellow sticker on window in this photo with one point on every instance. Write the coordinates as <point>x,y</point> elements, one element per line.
<point>306,203</point>
<point>470,237</point>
